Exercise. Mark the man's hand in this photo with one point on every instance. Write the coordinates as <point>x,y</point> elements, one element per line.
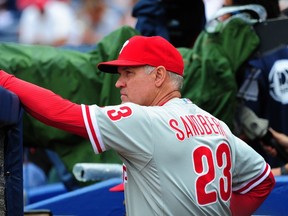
<point>280,137</point>
<point>276,144</point>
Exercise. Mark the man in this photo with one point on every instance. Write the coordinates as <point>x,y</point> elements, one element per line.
<point>179,159</point>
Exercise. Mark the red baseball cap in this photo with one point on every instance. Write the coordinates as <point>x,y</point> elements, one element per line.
<point>117,188</point>
<point>146,50</point>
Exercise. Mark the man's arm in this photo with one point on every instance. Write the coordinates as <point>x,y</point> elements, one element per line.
<point>247,204</point>
<point>46,106</point>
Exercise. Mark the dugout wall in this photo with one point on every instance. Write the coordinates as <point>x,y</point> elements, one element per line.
<point>11,174</point>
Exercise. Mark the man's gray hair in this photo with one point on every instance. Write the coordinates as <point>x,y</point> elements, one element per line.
<point>176,78</point>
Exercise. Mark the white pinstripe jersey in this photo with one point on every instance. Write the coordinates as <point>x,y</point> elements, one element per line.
<point>180,159</point>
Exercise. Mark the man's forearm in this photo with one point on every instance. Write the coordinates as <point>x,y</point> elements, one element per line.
<point>246,204</point>
<point>46,106</point>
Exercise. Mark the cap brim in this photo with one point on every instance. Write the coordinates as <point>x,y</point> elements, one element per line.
<point>112,66</point>
<point>117,188</point>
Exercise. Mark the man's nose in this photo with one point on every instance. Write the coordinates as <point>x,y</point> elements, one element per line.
<point>119,83</point>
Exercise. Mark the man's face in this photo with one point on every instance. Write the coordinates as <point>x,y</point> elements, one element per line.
<point>136,86</point>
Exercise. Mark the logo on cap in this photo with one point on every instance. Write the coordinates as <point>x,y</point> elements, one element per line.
<point>125,44</point>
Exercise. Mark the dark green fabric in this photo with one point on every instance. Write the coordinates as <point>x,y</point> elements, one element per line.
<point>210,70</point>
<point>212,64</point>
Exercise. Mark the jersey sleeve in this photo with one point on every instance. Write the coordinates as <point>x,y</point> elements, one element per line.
<point>250,168</point>
<point>125,128</point>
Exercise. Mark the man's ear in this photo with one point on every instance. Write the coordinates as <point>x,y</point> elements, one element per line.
<point>160,75</point>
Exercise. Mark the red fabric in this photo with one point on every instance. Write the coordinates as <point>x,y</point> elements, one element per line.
<point>247,204</point>
<point>117,188</point>
<point>46,106</point>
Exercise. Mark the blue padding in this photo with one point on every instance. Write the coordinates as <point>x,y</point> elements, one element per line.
<point>9,108</point>
<point>11,126</point>
<point>44,192</point>
<point>97,200</point>
<point>91,200</point>
<point>276,203</point>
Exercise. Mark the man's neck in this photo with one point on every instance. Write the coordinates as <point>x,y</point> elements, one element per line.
<point>166,98</point>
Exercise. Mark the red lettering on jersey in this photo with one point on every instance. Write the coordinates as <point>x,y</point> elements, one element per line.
<point>125,178</point>
<point>202,156</point>
<point>195,120</point>
<point>187,128</point>
<point>223,151</point>
<point>205,161</point>
<point>211,125</point>
<point>205,125</point>
<point>180,134</point>
<point>219,127</point>
<point>117,114</point>
<point>193,125</point>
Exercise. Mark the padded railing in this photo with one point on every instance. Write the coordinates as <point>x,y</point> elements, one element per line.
<point>11,150</point>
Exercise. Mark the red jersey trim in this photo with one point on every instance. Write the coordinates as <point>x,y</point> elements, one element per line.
<point>254,182</point>
<point>96,144</point>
